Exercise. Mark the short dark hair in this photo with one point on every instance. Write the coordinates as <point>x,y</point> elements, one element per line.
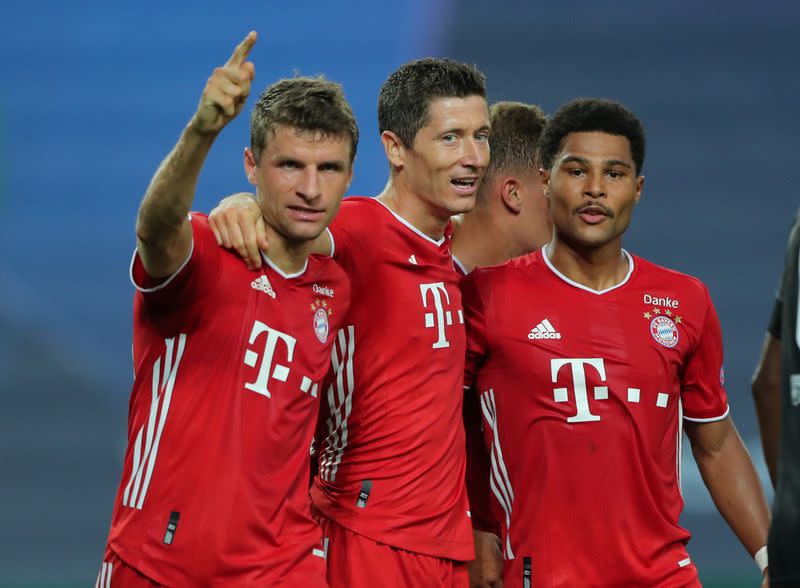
<point>406,95</point>
<point>587,115</point>
<point>306,104</point>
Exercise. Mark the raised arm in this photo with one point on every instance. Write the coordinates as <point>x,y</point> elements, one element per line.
<point>731,479</point>
<point>163,233</point>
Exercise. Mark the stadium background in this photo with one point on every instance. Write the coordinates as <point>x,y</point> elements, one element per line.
<point>94,95</point>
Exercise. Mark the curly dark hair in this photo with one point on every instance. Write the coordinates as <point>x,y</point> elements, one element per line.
<point>592,114</point>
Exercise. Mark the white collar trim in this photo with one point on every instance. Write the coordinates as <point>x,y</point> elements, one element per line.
<point>586,288</point>
<point>410,226</point>
<point>280,272</point>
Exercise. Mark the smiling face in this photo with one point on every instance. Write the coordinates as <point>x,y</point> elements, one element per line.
<point>300,179</point>
<point>592,188</point>
<point>449,155</point>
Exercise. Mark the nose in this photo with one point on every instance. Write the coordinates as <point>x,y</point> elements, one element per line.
<point>594,187</point>
<point>475,153</point>
<point>310,187</point>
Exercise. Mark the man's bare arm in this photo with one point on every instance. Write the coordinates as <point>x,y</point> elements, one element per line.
<point>731,479</point>
<point>238,224</point>
<point>164,236</point>
<point>767,397</point>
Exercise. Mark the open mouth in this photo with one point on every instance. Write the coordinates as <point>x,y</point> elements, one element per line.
<point>466,184</point>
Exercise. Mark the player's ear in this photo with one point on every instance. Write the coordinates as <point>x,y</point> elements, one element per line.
<point>545,177</point>
<point>509,194</point>
<point>250,166</point>
<point>639,186</point>
<point>394,148</point>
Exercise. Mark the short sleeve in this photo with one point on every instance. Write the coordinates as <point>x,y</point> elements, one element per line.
<point>199,271</point>
<point>774,327</point>
<point>703,384</point>
<point>475,323</point>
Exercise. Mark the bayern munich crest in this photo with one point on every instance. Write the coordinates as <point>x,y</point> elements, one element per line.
<point>320,322</point>
<point>664,330</point>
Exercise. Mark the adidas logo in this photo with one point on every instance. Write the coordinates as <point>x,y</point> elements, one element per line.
<point>262,283</point>
<point>413,260</point>
<point>544,330</point>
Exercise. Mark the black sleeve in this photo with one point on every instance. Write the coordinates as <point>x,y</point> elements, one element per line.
<point>774,326</point>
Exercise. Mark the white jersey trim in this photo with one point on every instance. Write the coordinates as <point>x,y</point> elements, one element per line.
<point>333,242</point>
<point>586,288</point>
<point>340,404</point>
<point>712,419</point>
<point>166,282</point>
<point>498,475</point>
<point>410,226</point>
<point>282,273</point>
<point>460,265</point>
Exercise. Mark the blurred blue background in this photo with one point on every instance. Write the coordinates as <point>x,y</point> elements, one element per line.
<point>94,95</point>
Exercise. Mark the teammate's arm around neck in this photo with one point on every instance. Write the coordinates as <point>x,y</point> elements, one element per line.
<point>163,234</point>
<point>237,224</point>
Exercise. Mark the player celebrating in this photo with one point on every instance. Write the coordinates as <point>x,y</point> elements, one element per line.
<point>588,361</point>
<point>229,361</point>
<point>390,490</point>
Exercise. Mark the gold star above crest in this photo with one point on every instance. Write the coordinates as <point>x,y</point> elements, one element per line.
<point>324,304</point>
<point>668,312</point>
<point>647,315</point>
<point>656,310</point>
<point>677,320</point>
<point>313,307</point>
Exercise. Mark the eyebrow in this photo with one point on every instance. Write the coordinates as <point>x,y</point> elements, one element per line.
<point>461,131</point>
<point>584,161</point>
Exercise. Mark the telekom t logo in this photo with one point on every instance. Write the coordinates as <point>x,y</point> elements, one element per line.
<point>578,366</point>
<point>441,317</point>
<point>265,372</point>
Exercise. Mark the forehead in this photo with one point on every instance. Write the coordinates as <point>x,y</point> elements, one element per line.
<point>451,112</point>
<point>287,141</point>
<point>596,145</point>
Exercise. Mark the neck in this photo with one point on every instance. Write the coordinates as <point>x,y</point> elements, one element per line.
<point>289,256</point>
<point>598,269</point>
<point>479,240</point>
<point>420,214</point>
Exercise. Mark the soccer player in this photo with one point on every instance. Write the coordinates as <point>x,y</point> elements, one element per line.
<point>510,215</point>
<point>229,361</point>
<point>589,362</point>
<point>390,493</point>
<point>776,390</point>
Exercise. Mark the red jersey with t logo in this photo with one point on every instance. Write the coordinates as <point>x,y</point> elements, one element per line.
<point>228,370</point>
<point>583,395</point>
<point>391,462</point>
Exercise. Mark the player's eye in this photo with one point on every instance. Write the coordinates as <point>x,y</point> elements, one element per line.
<point>614,174</point>
<point>290,164</point>
<point>482,136</point>
<point>449,138</point>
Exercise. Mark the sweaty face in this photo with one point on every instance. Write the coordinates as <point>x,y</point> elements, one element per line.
<point>300,180</point>
<point>592,188</point>
<point>449,155</point>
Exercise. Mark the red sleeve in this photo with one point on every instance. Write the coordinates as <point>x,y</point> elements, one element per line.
<point>475,323</point>
<point>703,384</point>
<point>199,271</point>
<point>477,473</point>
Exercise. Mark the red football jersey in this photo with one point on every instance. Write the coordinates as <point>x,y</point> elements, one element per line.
<point>228,370</point>
<point>391,462</point>
<point>583,395</point>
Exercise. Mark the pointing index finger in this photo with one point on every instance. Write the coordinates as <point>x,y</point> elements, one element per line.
<point>242,50</point>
